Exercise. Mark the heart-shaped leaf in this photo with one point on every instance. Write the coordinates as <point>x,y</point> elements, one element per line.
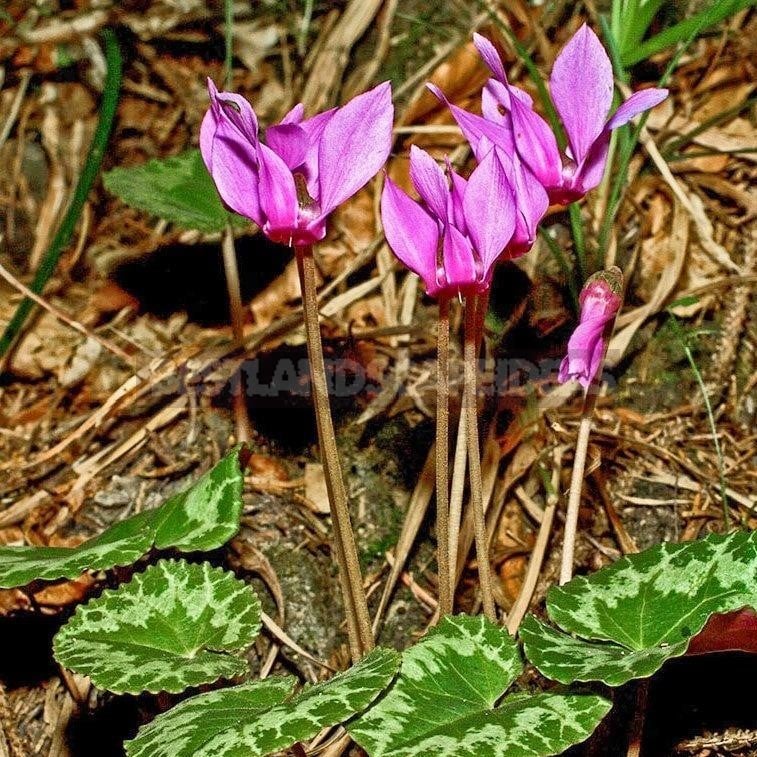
<point>442,702</point>
<point>626,620</point>
<point>175,625</point>
<point>178,189</point>
<point>262,717</point>
<point>204,517</point>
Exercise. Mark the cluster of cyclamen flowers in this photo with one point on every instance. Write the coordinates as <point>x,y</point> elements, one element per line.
<point>452,237</point>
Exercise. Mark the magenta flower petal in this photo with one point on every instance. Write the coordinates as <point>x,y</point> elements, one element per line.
<point>429,181</point>
<point>459,265</point>
<point>490,56</point>
<point>278,196</point>
<point>411,232</point>
<point>531,203</point>
<point>474,128</point>
<point>588,174</point>
<point>536,144</point>
<point>295,115</point>
<point>582,85</point>
<point>235,110</point>
<point>354,145</point>
<point>231,160</point>
<point>289,142</point>
<point>637,103</point>
<point>489,207</point>
<point>455,209</point>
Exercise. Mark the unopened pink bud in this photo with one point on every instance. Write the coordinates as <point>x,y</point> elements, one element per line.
<point>600,301</point>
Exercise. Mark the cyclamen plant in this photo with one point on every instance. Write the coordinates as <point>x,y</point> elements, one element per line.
<point>288,185</point>
<point>180,623</point>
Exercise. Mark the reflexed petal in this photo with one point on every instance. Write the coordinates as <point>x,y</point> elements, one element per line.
<point>278,196</point>
<point>637,103</point>
<point>587,175</point>
<point>314,127</point>
<point>295,115</point>
<point>531,204</point>
<point>474,127</point>
<point>429,181</point>
<point>490,56</point>
<point>581,85</point>
<point>232,163</point>
<point>457,192</point>
<point>289,142</point>
<point>411,232</point>
<point>536,144</point>
<point>236,110</point>
<point>489,207</point>
<point>460,272</point>
<point>354,146</point>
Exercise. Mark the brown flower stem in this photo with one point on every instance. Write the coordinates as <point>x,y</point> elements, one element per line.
<point>459,466</point>
<point>358,620</point>
<point>442,459</point>
<point>470,364</point>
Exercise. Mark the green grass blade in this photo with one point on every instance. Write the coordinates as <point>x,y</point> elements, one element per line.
<point>718,11</point>
<point>87,178</point>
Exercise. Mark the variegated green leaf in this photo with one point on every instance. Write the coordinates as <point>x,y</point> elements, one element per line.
<point>442,702</point>
<point>175,625</point>
<point>258,718</point>
<point>122,544</point>
<point>205,516</point>
<point>201,518</point>
<point>626,620</point>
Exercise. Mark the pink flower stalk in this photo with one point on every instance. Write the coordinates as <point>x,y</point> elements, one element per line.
<point>290,182</point>
<point>600,301</point>
<point>453,237</point>
<point>581,86</point>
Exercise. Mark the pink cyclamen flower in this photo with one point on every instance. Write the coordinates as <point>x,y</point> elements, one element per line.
<point>600,301</point>
<point>453,237</point>
<point>289,182</point>
<point>581,86</point>
<point>531,199</point>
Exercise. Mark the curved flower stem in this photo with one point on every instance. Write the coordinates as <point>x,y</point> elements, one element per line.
<point>470,358</point>
<point>576,484</point>
<point>442,459</point>
<point>358,620</point>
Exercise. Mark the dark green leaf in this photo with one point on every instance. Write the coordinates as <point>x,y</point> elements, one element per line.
<point>202,518</point>
<point>178,189</point>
